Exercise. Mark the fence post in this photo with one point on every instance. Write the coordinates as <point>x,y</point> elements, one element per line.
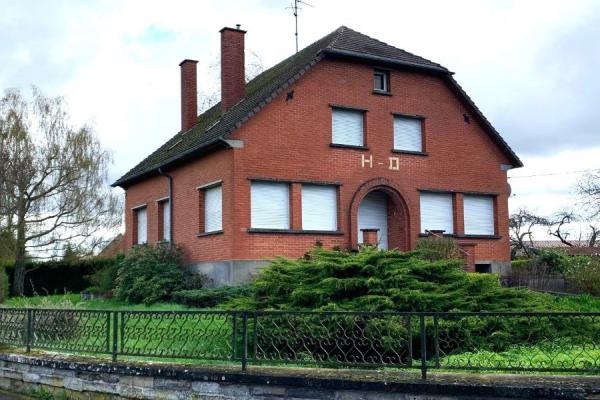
<point>29,330</point>
<point>245,339</point>
<point>115,335</point>
<point>423,349</point>
<point>436,341</point>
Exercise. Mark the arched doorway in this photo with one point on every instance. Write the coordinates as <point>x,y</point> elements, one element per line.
<point>373,214</point>
<point>378,205</point>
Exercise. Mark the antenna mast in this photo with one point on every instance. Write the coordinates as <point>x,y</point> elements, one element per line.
<point>295,9</point>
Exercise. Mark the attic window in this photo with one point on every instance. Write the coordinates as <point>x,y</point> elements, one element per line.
<point>381,81</point>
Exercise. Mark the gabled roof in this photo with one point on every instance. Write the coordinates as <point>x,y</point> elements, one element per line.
<point>213,127</point>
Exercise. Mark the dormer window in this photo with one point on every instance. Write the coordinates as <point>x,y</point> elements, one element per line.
<point>381,81</point>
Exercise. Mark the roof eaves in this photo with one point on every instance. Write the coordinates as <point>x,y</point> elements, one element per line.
<point>517,163</point>
<point>123,182</point>
<point>386,60</point>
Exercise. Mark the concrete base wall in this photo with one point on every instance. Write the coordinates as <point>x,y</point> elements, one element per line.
<point>227,272</point>
<point>78,379</point>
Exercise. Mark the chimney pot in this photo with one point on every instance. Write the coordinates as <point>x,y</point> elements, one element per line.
<point>189,94</point>
<point>233,76</point>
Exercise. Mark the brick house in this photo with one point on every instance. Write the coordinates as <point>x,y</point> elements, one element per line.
<point>348,134</point>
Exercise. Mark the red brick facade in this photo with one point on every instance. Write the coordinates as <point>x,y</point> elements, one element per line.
<point>289,140</point>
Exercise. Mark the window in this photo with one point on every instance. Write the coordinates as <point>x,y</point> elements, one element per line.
<point>407,134</point>
<point>347,127</point>
<point>319,207</point>
<point>141,221</point>
<point>381,81</point>
<point>270,205</point>
<point>213,209</point>
<point>437,212</point>
<point>165,219</point>
<point>479,215</point>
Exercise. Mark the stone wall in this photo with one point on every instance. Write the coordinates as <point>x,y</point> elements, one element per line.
<point>82,379</point>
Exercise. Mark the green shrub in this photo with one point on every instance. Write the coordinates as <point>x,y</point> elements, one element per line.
<point>4,288</point>
<point>149,274</point>
<point>584,275</point>
<point>59,277</point>
<point>103,280</point>
<point>521,263</point>
<point>438,248</point>
<point>373,280</point>
<point>205,298</point>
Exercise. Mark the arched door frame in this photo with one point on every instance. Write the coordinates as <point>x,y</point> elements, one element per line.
<point>386,186</point>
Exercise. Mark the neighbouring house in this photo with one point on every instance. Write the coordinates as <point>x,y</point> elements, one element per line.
<point>348,136</point>
<point>114,247</point>
<point>577,248</point>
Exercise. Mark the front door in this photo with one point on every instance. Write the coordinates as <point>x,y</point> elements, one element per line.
<point>373,214</point>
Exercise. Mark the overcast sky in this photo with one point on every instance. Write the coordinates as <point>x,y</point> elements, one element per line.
<point>531,66</point>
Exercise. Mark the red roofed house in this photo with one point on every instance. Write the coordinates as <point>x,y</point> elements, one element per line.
<point>347,134</point>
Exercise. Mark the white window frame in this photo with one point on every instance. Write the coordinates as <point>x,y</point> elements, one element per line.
<point>401,143</point>
<point>216,209</point>
<point>138,237</point>
<point>336,115</point>
<point>259,204</point>
<point>473,204</point>
<point>386,78</point>
<point>319,207</point>
<point>442,200</point>
<point>166,218</point>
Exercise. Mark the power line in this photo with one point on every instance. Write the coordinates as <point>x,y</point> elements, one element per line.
<point>555,173</point>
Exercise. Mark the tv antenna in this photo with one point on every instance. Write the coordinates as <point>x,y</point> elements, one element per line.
<point>295,9</point>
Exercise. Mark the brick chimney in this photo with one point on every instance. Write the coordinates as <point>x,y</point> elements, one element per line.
<point>233,78</point>
<point>189,95</point>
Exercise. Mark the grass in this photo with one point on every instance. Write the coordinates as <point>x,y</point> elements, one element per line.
<point>72,300</point>
<point>548,355</point>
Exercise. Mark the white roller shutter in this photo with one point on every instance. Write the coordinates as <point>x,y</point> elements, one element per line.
<point>372,214</point>
<point>436,212</point>
<point>479,215</point>
<point>270,205</point>
<point>213,209</point>
<point>347,127</point>
<point>319,207</point>
<point>166,212</point>
<point>407,134</point>
<point>142,225</point>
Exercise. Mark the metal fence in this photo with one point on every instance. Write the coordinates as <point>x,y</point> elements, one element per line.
<point>553,342</point>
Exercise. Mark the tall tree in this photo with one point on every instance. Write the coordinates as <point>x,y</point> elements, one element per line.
<point>588,189</point>
<point>53,179</point>
<point>522,225</point>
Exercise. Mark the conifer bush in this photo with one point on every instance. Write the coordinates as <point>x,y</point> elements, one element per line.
<point>374,280</point>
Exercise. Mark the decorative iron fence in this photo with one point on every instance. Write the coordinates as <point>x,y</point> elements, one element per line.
<point>553,342</point>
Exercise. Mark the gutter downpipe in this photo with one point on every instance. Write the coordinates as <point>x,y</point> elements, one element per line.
<point>170,178</point>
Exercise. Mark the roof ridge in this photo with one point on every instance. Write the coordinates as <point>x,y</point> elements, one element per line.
<point>397,48</point>
<point>340,30</point>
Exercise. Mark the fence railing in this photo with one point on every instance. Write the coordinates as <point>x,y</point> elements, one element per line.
<point>553,342</point>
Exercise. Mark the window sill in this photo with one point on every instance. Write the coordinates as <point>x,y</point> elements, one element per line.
<point>457,236</point>
<point>381,92</point>
<point>202,234</point>
<point>414,153</point>
<point>348,146</point>
<point>489,237</point>
<point>294,231</point>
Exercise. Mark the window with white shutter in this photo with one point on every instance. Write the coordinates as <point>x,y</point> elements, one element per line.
<point>319,207</point>
<point>270,205</point>
<point>479,215</point>
<point>437,212</point>
<point>166,220</point>
<point>141,216</point>
<point>213,209</point>
<point>347,127</point>
<point>407,134</point>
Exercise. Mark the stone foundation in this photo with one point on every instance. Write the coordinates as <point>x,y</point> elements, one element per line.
<point>79,378</point>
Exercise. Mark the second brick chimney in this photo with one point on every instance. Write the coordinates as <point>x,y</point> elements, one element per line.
<point>189,94</point>
<point>233,77</point>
